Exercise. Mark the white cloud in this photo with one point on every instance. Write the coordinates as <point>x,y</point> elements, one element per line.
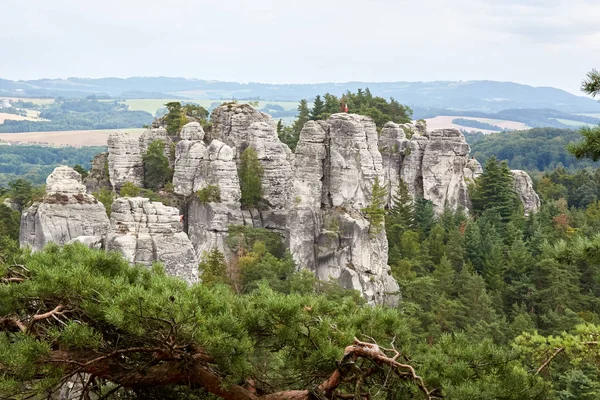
<point>539,42</point>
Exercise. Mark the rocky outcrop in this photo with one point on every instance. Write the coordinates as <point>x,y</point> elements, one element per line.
<point>393,146</point>
<point>434,165</point>
<point>145,232</point>
<point>126,152</point>
<point>67,212</point>
<point>98,178</point>
<point>314,198</point>
<point>208,222</point>
<point>231,124</point>
<point>124,160</point>
<point>527,195</point>
<point>337,162</point>
<point>443,168</point>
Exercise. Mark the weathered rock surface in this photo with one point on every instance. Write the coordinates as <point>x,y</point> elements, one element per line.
<point>208,222</point>
<point>145,232</point>
<point>124,160</point>
<point>66,212</point>
<point>393,145</point>
<point>444,161</point>
<point>527,195</point>
<point>336,164</point>
<point>434,165</point>
<point>98,178</point>
<point>231,124</point>
<point>126,152</point>
<point>313,198</point>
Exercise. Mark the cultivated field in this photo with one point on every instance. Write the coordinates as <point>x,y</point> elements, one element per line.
<point>15,117</point>
<point>66,138</point>
<point>442,122</point>
<point>40,102</point>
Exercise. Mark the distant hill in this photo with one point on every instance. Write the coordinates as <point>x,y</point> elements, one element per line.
<point>482,96</point>
<point>535,118</point>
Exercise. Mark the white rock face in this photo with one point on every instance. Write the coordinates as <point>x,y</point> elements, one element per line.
<point>145,232</point>
<point>231,125</point>
<point>393,145</point>
<point>66,213</point>
<point>313,198</point>
<point>276,159</point>
<point>336,164</point>
<point>98,178</point>
<point>124,160</point>
<point>443,168</point>
<point>434,165</point>
<point>126,152</point>
<point>524,188</point>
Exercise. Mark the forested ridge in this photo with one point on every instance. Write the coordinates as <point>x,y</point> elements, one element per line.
<point>494,305</point>
<point>79,114</point>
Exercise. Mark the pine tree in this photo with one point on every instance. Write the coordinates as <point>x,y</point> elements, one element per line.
<point>250,172</point>
<point>400,217</point>
<point>435,243</point>
<point>302,118</point>
<point>444,276</point>
<point>175,119</point>
<point>494,190</point>
<point>82,171</point>
<point>375,212</point>
<point>424,215</point>
<point>213,268</point>
<point>318,109</point>
<point>156,166</point>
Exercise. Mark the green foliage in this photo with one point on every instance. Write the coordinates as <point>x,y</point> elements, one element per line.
<point>213,269</point>
<point>539,149</point>
<point>362,102</point>
<point>157,171</point>
<point>318,109</point>
<point>129,189</point>
<point>175,118</point>
<point>35,163</point>
<point>250,172</point>
<point>399,219</point>
<point>494,190</point>
<point>107,197</point>
<point>211,193</point>
<point>80,114</point>
<point>590,146</point>
<point>591,85</point>
<point>82,171</point>
<point>473,123</point>
<point>375,212</point>
<point>292,135</point>
<point>245,237</point>
<point>195,111</point>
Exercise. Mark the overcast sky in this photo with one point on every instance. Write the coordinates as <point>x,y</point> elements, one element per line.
<point>537,42</point>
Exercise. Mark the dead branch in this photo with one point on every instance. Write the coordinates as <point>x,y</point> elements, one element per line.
<point>190,365</point>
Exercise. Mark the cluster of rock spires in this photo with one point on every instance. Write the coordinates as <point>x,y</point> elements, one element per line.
<point>313,198</point>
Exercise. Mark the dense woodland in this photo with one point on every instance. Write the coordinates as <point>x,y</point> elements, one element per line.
<point>80,114</point>
<point>35,163</point>
<point>495,305</point>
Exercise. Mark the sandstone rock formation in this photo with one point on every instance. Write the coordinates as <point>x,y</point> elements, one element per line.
<point>145,232</point>
<point>336,164</point>
<point>313,198</point>
<point>98,178</point>
<point>126,152</point>
<point>124,160</point>
<point>434,165</point>
<point>525,191</point>
<point>65,213</point>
